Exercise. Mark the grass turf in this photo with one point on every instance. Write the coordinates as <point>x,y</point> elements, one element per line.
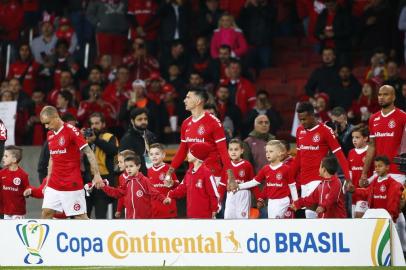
<point>200,268</point>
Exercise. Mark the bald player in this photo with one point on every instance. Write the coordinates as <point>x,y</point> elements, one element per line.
<point>64,188</point>
<point>386,130</point>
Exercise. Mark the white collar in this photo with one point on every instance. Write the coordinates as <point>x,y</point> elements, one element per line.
<point>237,164</point>
<point>361,150</point>
<point>381,179</point>
<point>158,168</point>
<point>275,167</point>
<point>59,130</point>
<point>389,113</point>
<point>314,128</point>
<point>200,117</point>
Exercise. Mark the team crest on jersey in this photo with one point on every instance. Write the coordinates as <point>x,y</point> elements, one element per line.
<point>76,206</point>
<point>162,177</point>
<point>241,173</point>
<point>382,188</point>
<point>199,183</point>
<point>17,181</point>
<point>392,123</point>
<point>278,176</point>
<point>200,130</point>
<point>316,137</point>
<point>244,214</point>
<point>139,193</point>
<point>61,141</point>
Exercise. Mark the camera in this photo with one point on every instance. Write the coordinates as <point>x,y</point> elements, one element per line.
<point>88,132</point>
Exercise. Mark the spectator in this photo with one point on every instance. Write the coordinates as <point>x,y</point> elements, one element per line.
<point>83,28</point>
<point>366,104</point>
<point>64,103</point>
<point>322,77</point>
<point>227,109</point>
<point>25,69</point>
<point>43,45</point>
<point>258,22</point>
<point>11,24</point>
<point>263,106</point>
<point>106,63</point>
<point>217,67</point>
<point>378,71</point>
<point>232,6</point>
<point>242,91</point>
<point>200,58</point>
<point>95,77</point>
<point>109,19</point>
<point>95,103</point>
<point>229,34</point>
<point>66,83</point>
<point>7,95</point>
<point>104,146</point>
<point>177,56</point>
<point>175,23</point>
<point>208,18</point>
<point>395,81</point>
<point>342,128</point>
<point>118,91</point>
<point>346,90</point>
<point>254,147</point>
<point>322,105</point>
<point>65,31</point>
<point>34,125</point>
<point>62,60</point>
<point>175,77</point>
<point>402,27</point>
<point>333,29</point>
<point>139,62</point>
<point>138,137</point>
<point>144,22</point>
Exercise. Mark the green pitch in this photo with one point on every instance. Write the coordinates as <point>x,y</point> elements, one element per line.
<point>202,268</point>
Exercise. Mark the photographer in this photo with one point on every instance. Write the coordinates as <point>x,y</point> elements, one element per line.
<point>342,129</point>
<point>105,147</point>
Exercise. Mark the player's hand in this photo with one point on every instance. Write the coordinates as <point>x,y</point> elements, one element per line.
<point>293,206</point>
<point>363,181</point>
<point>350,187</point>
<point>167,201</point>
<point>98,182</point>
<point>168,182</point>
<point>320,209</point>
<point>213,215</point>
<point>260,204</point>
<point>117,214</point>
<point>27,192</point>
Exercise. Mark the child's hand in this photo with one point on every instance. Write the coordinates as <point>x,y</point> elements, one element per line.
<point>117,214</point>
<point>320,209</point>
<point>293,206</point>
<point>213,215</point>
<point>168,182</point>
<point>167,201</point>
<point>350,187</point>
<point>27,192</point>
<point>260,204</point>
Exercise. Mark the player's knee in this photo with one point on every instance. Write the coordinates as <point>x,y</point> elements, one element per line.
<point>82,216</point>
<point>47,213</point>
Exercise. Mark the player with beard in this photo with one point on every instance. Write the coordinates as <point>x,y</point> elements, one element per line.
<point>138,137</point>
<point>386,131</point>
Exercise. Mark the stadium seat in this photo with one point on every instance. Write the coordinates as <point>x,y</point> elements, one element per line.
<point>273,73</point>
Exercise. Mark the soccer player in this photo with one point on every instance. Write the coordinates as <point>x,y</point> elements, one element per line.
<point>328,195</point>
<point>383,192</point>
<point>314,140</point>
<point>122,178</point>
<point>13,180</point>
<point>237,204</point>
<point>137,191</point>
<point>279,186</point>
<point>356,158</point>
<point>156,175</point>
<point>198,186</point>
<point>202,126</point>
<point>64,188</point>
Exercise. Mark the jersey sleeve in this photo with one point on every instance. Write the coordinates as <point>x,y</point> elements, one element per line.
<point>371,128</point>
<point>182,150</point>
<point>394,195</point>
<point>210,186</point>
<point>260,176</point>
<point>179,192</point>
<point>331,140</point>
<point>77,137</point>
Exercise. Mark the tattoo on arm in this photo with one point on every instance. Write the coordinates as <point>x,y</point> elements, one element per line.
<point>92,160</point>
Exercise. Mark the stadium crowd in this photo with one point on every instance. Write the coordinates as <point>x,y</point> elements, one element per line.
<point>115,80</point>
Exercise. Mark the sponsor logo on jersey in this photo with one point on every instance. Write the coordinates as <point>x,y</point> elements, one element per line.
<point>309,147</point>
<point>7,188</point>
<point>356,168</point>
<point>188,139</point>
<point>17,181</point>
<point>384,134</point>
<point>57,151</point>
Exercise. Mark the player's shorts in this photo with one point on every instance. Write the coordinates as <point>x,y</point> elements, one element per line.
<point>237,205</point>
<point>72,203</point>
<point>277,207</point>
<point>14,216</point>
<point>361,206</point>
<point>308,188</point>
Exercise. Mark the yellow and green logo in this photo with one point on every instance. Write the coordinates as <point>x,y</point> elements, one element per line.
<point>33,236</point>
<point>380,247</point>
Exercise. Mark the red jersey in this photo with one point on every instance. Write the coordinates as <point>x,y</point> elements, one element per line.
<point>243,172</point>
<point>206,129</point>
<point>3,131</point>
<point>312,146</point>
<point>356,160</point>
<point>13,184</point>
<point>156,176</point>
<point>86,108</point>
<point>276,178</point>
<point>64,149</point>
<point>144,12</point>
<point>387,130</point>
<point>121,181</point>
<point>30,69</point>
<point>66,35</point>
<point>200,190</point>
<point>138,194</point>
<point>383,192</point>
<point>328,195</point>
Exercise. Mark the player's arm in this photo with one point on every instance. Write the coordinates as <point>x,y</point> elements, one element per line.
<point>393,203</point>
<point>211,188</point>
<point>97,180</point>
<point>49,170</point>
<point>368,160</point>
<point>309,201</point>
<point>179,192</point>
<point>338,152</point>
<point>292,185</point>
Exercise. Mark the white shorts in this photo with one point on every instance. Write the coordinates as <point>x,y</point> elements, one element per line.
<point>309,188</point>
<point>72,203</point>
<point>277,207</point>
<point>237,205</point>
<point>361,206</point>
<point>14,216</point>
